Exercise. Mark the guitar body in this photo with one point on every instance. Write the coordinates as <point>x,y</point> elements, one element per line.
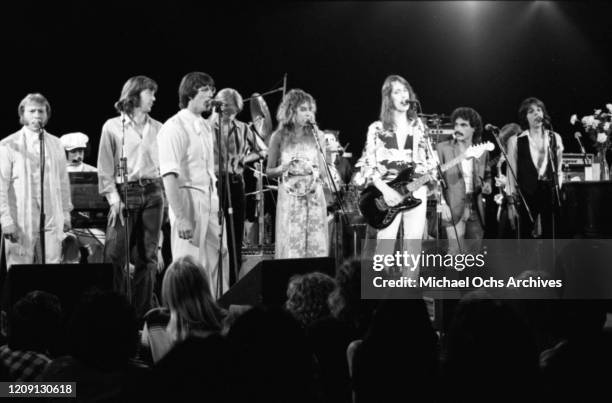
<point>372,204</point>
<point>373,207</point>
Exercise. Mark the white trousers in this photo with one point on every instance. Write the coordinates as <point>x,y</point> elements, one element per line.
<point>204,245</point>
<point>414,222</point>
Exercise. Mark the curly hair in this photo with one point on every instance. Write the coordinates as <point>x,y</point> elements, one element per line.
<point>307,296</point>
<point>471,116</point>
<point>287,110</point>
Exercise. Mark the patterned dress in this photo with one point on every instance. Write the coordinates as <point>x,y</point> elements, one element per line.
<point>301,226</point>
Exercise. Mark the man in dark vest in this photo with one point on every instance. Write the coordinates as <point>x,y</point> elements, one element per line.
<point>529,154</point>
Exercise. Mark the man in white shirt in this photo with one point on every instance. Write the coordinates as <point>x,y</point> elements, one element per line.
<point>20,192</point>
<point>187,166</point>
<point>75,145</point>
<point>133,135</point>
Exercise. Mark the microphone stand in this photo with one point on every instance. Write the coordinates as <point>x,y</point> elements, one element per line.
<point>495,133</point>
<point>228,195</point>
<point>552,160</point>
<point>335,191</point>
<point>42,218</point>
<point>123,173</point>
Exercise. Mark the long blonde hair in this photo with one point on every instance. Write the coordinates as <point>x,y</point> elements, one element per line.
<point>186,292</point>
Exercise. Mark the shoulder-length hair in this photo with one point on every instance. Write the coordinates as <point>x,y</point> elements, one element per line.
<point>190,84</point>
<point>232,97</point>
<point>287,110</point>
<point>524,108</point>
<point>386,107</point>
<point>35,98</point>
<point>130,93</point>
<point>186,292</point>
<point>470,115</point>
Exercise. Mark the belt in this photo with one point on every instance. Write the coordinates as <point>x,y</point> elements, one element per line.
<point>142,182</point>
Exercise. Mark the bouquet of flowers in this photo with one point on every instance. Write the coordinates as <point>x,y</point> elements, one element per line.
<point>598,126</point>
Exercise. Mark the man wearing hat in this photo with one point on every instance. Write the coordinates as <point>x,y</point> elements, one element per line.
<point>92,239</point>
<point>75,145</point>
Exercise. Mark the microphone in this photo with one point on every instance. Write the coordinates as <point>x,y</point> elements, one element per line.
<point>577,136</point>
<point>214,103</point>
<point>409,101</point>
<point>543,120</point>
<point>491,128</point>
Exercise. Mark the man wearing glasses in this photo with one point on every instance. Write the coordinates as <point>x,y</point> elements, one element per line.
<point>187,165</point>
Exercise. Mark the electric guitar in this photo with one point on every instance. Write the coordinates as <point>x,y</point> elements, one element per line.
<point>372,203</point>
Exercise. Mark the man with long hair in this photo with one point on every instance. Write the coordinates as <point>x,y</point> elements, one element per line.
<point>187,165</point>
<point>20,198</point>
<point>133,135</point>
<point>529,155</point>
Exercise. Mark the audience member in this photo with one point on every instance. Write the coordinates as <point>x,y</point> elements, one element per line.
<point>269,359</point>
<point>103,336</point>
<point>189,309</point>
<point>490,355</point>
<point>400,348</point>
<point>34,331</point>
<point>307,296</point>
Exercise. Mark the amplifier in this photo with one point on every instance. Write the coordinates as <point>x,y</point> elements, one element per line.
<point>84,192</point>
<point>253,255</point>
<point>579,167</point>
<point>442,134</point>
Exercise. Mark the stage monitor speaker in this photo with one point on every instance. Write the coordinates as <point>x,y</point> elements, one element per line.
<point>266,283</point>
<point>67,281</point>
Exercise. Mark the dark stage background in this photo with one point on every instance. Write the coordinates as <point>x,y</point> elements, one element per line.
<point>488,55</point>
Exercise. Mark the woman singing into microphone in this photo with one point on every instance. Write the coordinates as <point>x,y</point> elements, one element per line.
<point>301,225</point>
<point>528,155</point>
<point>393,143</point>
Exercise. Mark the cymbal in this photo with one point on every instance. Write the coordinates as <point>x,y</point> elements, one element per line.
<point>260,115</point>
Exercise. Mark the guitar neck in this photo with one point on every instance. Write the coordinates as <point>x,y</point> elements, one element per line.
<point>444,167</point>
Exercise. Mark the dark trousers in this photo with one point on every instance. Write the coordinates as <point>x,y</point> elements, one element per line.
<point>236,186</point>
<point>541,203</point>
<point>146,207</point>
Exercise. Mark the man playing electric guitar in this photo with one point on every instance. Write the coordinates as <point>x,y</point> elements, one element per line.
<point>462,201</point>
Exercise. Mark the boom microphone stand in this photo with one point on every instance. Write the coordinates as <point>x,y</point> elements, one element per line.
<point>315,130</point>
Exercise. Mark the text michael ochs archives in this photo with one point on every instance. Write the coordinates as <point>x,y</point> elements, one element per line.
<point>405,263</point>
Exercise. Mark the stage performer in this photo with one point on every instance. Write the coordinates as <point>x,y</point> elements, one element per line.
<point>239,147</point>
<point>187,164</point>
<point>393,143</point>
<point>20,198</point>
<point>466,183</point>
<point>529,156</point>
<point>301,225</point>
<point>92,239</point>
<point>133,134</point>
